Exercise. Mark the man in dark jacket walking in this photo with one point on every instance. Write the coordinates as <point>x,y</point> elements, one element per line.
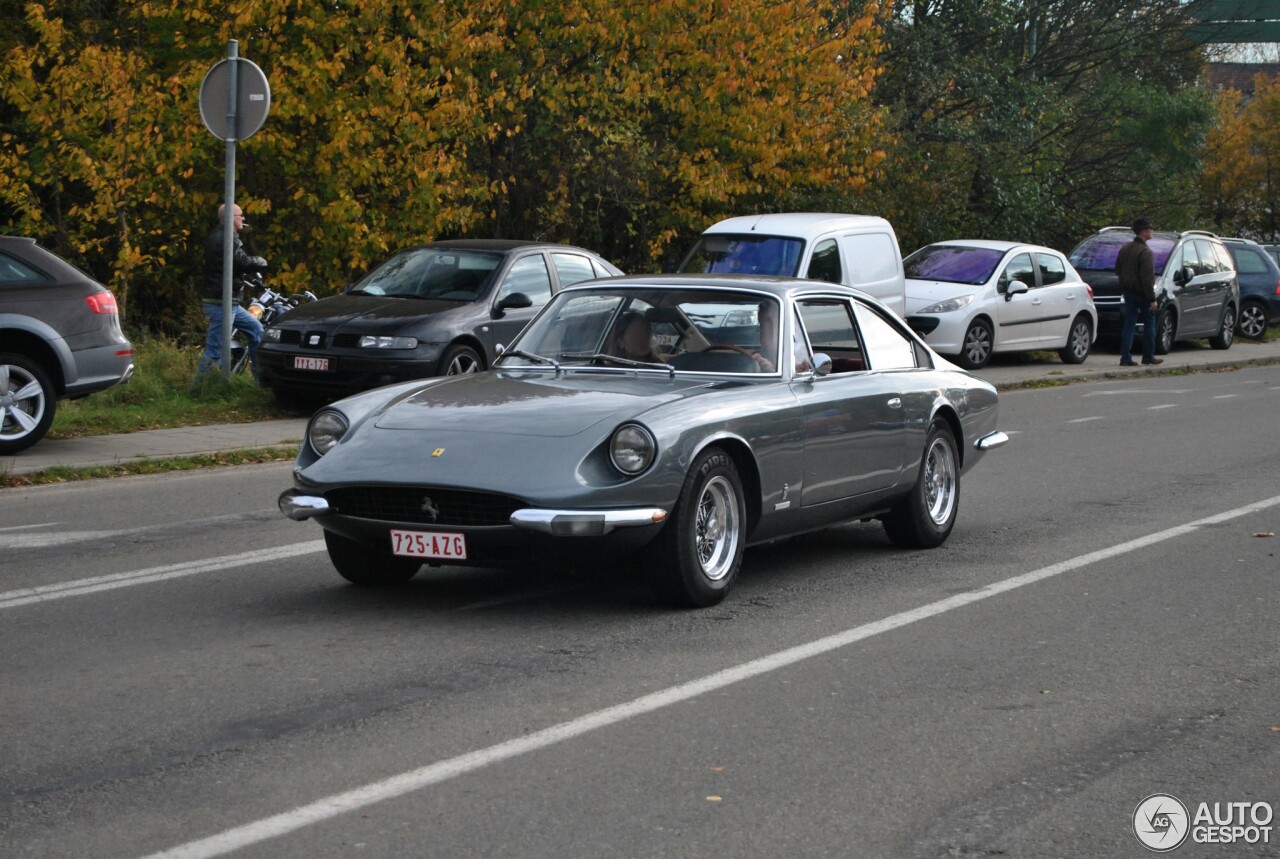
<point>211,294</point>
<point>1136,269</point>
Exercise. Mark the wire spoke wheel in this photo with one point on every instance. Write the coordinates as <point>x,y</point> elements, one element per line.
<point>716,529</point>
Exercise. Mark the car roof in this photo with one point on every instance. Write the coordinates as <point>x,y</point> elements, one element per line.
<point>499,245</point>
<point>1004,247</point>
<point>782,287</point>
<point>798,224</point>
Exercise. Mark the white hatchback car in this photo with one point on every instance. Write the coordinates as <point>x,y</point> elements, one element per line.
<point>971,299</point>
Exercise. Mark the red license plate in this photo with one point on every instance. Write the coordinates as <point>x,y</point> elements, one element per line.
<point>429,544</point>
<point>306,362</point>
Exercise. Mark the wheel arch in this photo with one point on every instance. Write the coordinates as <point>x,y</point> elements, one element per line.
<point>23,341</point>
<point>744,460</point>
<point>471,342</point>
<point>946,412</point>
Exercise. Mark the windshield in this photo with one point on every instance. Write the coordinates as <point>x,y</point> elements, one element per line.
<point>661,329</point>
<point>746,254</point>
<point>1099,251</point>
<point>952,264</point>
<point>449,275</point>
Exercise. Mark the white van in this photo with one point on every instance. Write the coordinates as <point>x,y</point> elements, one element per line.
<point>857,250</point>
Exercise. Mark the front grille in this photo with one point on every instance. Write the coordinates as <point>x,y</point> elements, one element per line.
<point>290,335</point>
<point>424,505</point>
<point>346,341</point>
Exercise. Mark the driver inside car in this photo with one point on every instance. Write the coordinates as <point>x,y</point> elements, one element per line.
<point>768,318</point>
<point>634,339</point>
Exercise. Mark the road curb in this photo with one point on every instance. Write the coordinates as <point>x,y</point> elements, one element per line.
<point>1052,381</point>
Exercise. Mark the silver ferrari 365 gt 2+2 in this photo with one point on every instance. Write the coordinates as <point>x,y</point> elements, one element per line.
<point>673,420</point>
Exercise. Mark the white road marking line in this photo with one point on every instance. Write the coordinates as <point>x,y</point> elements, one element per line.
<point>1226,396</point>
<point>80,587</point>
<point>1084,420</point>
<point>1124,392</point>
<point>1165,406</point>
<point>60,538</point>
<point>29,527</point>
<point>414,780</point>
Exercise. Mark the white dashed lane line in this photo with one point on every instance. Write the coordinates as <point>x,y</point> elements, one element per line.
<point>1165,406</point>
<point>1086,420</point>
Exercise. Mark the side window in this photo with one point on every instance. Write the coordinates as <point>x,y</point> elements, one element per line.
<point>1225,262</point>
<point>887,347</point>
<point>530,276</point>
<point>872,257</point>
<point>12,271</point>
<point>825,264</point>
<point>1191,259</point>
<point>1019,268</point>
<point>1052,269</point>
<point>1249,261</point>
<point>831,330</point>
<point>600,270</point>
<point>1208,259</point>
<point>572,268</point>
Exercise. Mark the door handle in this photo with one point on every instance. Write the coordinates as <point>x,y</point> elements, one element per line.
<point>895,403</point>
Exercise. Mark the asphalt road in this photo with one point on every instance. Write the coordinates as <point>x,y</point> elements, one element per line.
<point>166,683</point>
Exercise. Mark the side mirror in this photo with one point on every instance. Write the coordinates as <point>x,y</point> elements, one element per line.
<point>821,364</point>
<point>512,301</point>
<point>498,350</point>
<point>1015,287</point>
<point>1188,274</point>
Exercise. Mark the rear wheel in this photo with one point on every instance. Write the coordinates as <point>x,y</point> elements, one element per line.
<point>699,552</point>
<point>1253,320</point>
<point>1226,331</point>
<point>362,565</point>
<point>1166,330</point>
<point>924,519</point>
<point>975,351</point>
<point>460,361</point>
<point>27,402</point>
<point>1079,341</point>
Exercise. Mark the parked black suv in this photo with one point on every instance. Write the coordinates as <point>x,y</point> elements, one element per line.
<point>1259,276</point>
<point>59,337</point>
<point>1195,284</point>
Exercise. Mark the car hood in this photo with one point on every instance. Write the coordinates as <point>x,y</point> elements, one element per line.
<point>364,312</point>
<point>531,403</point>
<point>922,293</point>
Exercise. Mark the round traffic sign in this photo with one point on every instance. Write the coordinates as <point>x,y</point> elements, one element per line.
<point>251,105</point>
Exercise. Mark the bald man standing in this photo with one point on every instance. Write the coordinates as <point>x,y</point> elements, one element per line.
<point>211,296</point>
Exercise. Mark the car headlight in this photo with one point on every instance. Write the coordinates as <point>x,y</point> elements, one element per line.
<point>949,305</point>
<point>371,342</point>
<point>272,335</point>
<point>325,430</point>
<point>632,449</point>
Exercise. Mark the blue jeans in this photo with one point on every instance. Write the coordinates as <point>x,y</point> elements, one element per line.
<point>240,321</point>
<point>1136,306</point>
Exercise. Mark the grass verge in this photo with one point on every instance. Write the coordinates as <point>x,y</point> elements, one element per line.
<point>164,392</point>
<point>66,474</point>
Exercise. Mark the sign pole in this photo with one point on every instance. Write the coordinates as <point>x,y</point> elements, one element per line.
<point>228,230</point>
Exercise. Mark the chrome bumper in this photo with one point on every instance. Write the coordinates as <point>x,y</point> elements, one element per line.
<point>586,523</point>
<point>298,507</point>
<point>991,440</point>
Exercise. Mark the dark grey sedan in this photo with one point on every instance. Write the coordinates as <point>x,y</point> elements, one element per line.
<point>436,310</point>
<point>673,419</point>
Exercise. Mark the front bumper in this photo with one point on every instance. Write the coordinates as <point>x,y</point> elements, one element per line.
<point>350,373</point>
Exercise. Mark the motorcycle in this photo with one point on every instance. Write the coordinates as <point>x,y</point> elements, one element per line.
<point>266,308</point>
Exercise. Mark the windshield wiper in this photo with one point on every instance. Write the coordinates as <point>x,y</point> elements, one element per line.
<point>654,365</point>
<point>529,356</point>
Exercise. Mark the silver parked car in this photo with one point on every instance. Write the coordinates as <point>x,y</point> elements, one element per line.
<point>681,417</point>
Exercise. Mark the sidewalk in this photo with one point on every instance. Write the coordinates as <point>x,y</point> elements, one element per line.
<point>1005,372</point>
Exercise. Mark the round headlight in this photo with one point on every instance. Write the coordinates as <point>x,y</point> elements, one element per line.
<point>632,449</point>
<point>326,429</point>
<point>255,310</point>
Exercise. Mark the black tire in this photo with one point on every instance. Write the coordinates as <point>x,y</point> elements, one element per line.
<point>1079,341</point>
<point>978,344</point>
<point>460,360</point>
<point>1253,320</point>
<point>28,402</point>
<point>1226,329</point>
<point>1166,331</point>
<point>924,519</point>
<point>362,565</point>
<point>699,552</point>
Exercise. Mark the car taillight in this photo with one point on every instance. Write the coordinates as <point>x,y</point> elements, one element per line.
<point>1278,289</point>
<point>102,302</point>
<point>1090,288</point>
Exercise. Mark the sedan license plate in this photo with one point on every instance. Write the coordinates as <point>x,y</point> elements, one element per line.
<point>305,362</point>
<point>429,544</point>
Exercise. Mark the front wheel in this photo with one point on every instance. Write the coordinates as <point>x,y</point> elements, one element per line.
<point>1253,320</point>
<point>1079,341</point>
<point>924,519</point>
<point>1227,331</point>
<point>362,565</point>
<point>460,361</point>
<point>699,551</point>
<point>27,402</point>
<point>978,344</point>
<point>1166,330</point>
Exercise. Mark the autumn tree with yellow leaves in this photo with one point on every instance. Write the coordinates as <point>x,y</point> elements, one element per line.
<point>621,126</point>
